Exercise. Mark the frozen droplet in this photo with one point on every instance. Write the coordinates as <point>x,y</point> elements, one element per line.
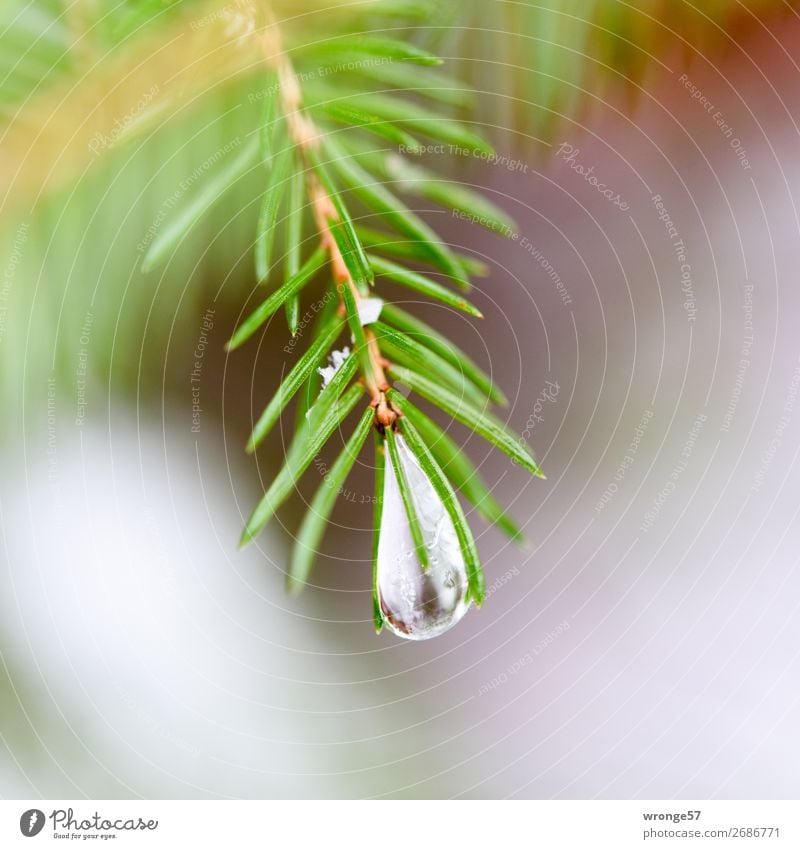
<point>418,604</point>
<point>369,310</point>
<point>336,360</point>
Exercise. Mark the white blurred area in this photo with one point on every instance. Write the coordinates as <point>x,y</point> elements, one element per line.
<point>625,655</point>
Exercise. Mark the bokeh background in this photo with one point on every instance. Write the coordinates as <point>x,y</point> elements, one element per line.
<point>646,644</point>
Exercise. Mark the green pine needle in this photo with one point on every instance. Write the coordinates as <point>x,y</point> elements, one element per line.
<point>347,49</point>
<point>290,288</point>
<point>291,383</point>
<point>294,241</point>
<point>398,247</point>
<point>315,521</point>
<point>361,120</point>
<point>426,83</point>
<point>292,310</point>
<point>481,422</point>
<point>277,181</point>
<point>305,447</point>
<point>357,329</point>
<point>175,229</point>
<point>413,117</point>
<point>310,390</point>
<point>423,285</point>
<point>331,393</point>
<point>413,179</point>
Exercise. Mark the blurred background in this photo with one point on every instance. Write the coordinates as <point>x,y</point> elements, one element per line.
<point>643,320</point>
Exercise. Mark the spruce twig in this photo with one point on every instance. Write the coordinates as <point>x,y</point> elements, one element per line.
<point>306,168</point>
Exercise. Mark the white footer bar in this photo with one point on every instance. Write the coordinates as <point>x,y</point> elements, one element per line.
<point>416,824</point>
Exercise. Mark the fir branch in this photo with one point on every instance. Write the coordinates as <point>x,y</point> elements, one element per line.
<point>302,156</point>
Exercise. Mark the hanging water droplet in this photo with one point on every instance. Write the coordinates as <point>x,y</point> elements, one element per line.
<point>418,604</point>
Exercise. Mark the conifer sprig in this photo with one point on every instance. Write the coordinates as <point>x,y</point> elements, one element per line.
<point>316,175</point>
